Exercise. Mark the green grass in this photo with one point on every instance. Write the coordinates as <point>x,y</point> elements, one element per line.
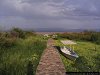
<point>89,58</point>
<point>22,58</point>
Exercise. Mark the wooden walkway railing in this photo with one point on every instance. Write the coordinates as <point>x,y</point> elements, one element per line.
<point>50,63</point>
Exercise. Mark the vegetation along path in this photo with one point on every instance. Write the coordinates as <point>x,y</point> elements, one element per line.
<point>50,63</point>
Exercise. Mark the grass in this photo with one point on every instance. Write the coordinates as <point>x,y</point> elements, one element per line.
<point>23,58</point>
<point>89,57</point>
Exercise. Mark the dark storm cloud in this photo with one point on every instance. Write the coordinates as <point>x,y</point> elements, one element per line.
<point>50,13</point>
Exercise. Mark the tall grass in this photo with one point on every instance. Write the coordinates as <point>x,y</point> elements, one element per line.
<point>23,58</point>
<point>88,60</point>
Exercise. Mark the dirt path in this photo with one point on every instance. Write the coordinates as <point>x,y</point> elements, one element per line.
<point>50,63</point>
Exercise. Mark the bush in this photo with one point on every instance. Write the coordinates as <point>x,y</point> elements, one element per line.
<point>7,42</point>
<point>18,33</point>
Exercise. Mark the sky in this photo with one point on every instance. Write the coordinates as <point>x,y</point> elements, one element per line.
<point>67,14</point>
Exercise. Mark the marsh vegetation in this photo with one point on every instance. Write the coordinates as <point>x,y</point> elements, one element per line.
<point>20,52</point>
<point>88,49</point>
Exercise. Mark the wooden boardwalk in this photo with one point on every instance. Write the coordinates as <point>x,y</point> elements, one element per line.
<point>50,63</point>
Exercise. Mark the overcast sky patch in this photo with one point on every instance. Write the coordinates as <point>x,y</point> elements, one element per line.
<point>67,14</point>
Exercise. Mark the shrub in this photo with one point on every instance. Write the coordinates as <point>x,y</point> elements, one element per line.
<point>7,42</point>
<point>17,32</point>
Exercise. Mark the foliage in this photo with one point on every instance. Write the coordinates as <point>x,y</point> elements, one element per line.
<point>29,33</point>
<point>17,32</point>
<point>17,60</point>
<point>20,52</point>
<point>88,60</point>
<point>6,40</point>
<point>84,36</point>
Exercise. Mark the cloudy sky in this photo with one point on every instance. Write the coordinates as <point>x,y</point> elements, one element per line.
<point>69,14</point>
